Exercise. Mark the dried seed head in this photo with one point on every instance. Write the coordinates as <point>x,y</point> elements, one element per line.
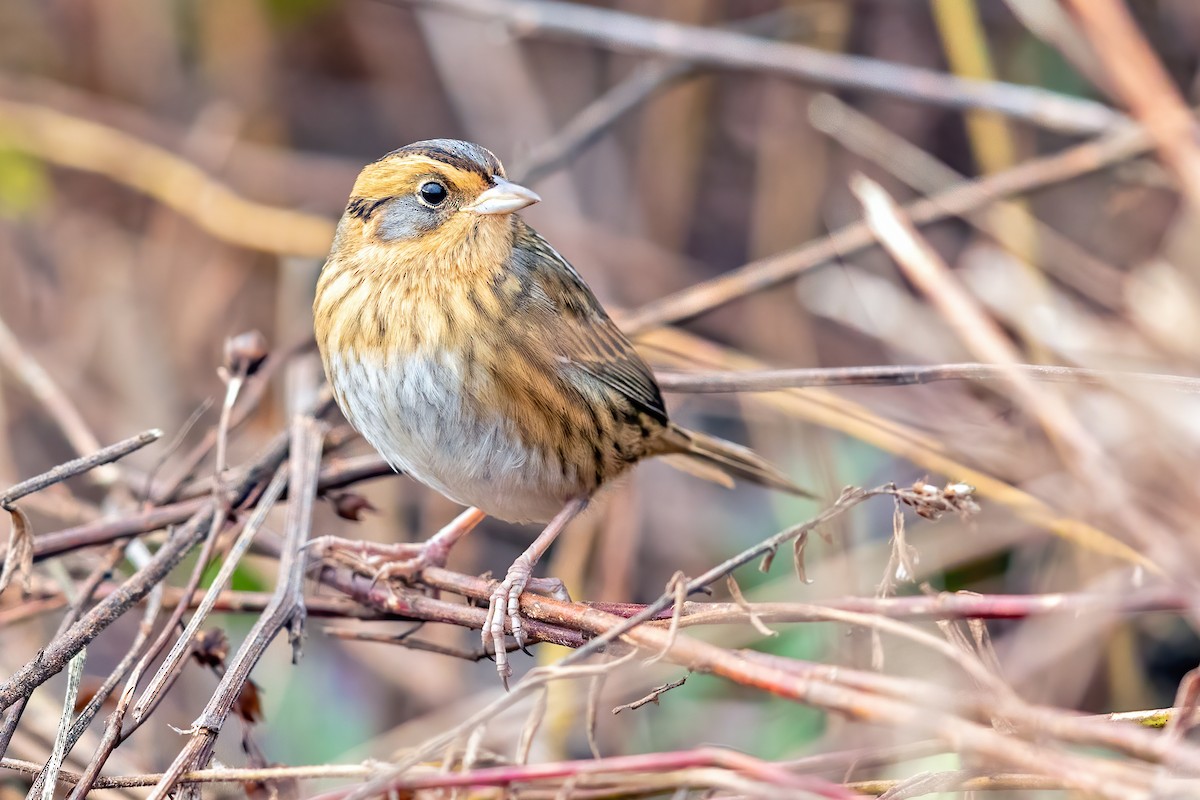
<point>211,648</point>
<point>245,353</point>
<point>931,502</point>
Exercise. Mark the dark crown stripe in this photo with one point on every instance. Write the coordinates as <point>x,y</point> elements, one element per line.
<point>453,153</point>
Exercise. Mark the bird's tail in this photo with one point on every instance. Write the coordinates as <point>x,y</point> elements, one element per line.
<point>720,461</point>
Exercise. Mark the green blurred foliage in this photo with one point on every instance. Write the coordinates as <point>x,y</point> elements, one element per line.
<point>1034,62</point>
<point>245,578</point>
<point>293,13</point>
<point>24,185</point>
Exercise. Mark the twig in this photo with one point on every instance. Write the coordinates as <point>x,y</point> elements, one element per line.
<point>406,640</point>
<point>235,375</point>
<point>69,731</point>
<point>176,183</point>
<point>652,697</point>
<point>960,783</point>
<point>909,375</point>
<point>227,602</point>
<point>849,499</point>
<point>180,649</point>
<point>52,398</point>
<point>1008,222</point>
<point>646,80</point>
<point>79,465</point>
<point>337,474</point>
<point>842,415</point>
<point>647,763</point>
<point>78,601</point>
<point>59,751</point>
<point>732,50</point>
<point>170,488</point>
<point>510,775</point>
<point>963,199</point>
<point>59,651</point>
<point>1080,451</point>
<point>1139,80</point>
<point>586,127</point>
<point>286,608</point>
<point>112,727</point>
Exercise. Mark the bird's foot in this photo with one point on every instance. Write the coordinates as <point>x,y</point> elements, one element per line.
<point>409,567</point>
<point>505,604</point>
<point>404,561</point>
<point>383,562</point>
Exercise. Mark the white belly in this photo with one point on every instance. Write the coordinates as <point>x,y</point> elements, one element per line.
<point>414,412</point>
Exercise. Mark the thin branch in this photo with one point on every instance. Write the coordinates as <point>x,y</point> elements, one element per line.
<point>849,498</point>
<point>58,652</point>
<point>1079,450</point>
<point>78,143</point>
<point>285,611</point>
<point>1008,222</point>
<point>339,472</point>
<point>168,488</point>
<point>17,360</point>
<point>408,641</point>
<point>112,727</point>
<point>61,740</point>
<point>171,668</point>
<point>509,775</point>
<point>77,602</point>
<point>1035,173</point>
<point>1137,77</point>
<point>645,81</point>
<point>181,647</point>
<point>652,697</point>
<point>748,766</point>
<point>233,602</point>
<point>78,466</point>
<point>909,375</point>
<point>731,50</point>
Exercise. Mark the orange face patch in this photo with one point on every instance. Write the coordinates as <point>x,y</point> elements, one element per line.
<point>404,174</point>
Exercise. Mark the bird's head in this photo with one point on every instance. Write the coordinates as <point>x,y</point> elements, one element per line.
<point>433,192</point>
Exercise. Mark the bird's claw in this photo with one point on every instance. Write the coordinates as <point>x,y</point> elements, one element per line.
<point>505,605</point>
<point>428,554</point>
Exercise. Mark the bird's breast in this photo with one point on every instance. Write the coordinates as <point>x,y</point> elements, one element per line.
<point>429,414</point>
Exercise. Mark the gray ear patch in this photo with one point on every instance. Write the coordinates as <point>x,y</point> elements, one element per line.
<point>404,217</point>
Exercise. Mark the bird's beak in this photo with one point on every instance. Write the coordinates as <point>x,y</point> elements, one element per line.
<point>504,198</point>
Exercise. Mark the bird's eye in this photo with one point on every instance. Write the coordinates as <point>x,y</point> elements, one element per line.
<point>432,193</point>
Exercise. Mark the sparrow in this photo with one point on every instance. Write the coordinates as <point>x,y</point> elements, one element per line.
<point>474,358</point>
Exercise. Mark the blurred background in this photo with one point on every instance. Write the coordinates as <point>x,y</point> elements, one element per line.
<point>170,173</point>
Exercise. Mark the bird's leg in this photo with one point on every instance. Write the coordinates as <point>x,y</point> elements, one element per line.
<point>505,601</point>
<point>403,560</point>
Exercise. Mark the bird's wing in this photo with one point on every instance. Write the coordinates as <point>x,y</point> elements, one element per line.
<point>578,330</point>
